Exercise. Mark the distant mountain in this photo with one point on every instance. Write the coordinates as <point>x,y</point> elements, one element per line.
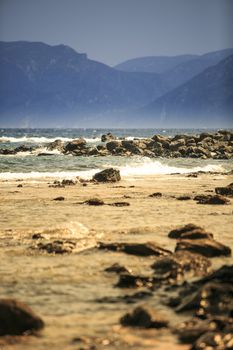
<point>50,83</point>
<point>54,86</point>
<point>187,70</point>
<point>205,100</point>
<point>154,64</point>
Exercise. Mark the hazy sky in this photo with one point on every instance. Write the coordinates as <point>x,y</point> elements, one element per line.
<point>112,31</point>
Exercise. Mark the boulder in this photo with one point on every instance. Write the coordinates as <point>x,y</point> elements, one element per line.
<point>75,145</point>
<point>207,247</point>
<point>176,233</point>
<point>214,341</point>
<point>16,318</point>
<point>56,145</point>
<point>107,175</point>
<point>112,145</point>
<point>143,317</point>
<point>225,191</point>
<point>212,199</point>
<point>107,137</point>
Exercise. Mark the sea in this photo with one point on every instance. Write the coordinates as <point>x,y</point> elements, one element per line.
<point>27,165</point>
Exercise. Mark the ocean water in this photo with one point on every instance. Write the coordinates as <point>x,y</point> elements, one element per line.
<point>28,165</point>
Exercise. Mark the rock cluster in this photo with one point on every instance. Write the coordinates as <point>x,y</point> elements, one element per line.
<point>218,145</point>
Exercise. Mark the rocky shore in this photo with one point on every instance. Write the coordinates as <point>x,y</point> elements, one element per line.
<point>140,269</point>
<point>218,145</point>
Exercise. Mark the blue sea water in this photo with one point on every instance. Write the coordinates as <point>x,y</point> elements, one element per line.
<point>29,165</point>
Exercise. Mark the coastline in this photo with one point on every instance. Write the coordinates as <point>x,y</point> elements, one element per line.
<point>64,289</point>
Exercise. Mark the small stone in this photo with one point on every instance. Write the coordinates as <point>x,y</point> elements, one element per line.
<point>60,198</point>
<point>156,195</point>
<point>94,201</point>
<point>144,318</point>
<point>117,268</point>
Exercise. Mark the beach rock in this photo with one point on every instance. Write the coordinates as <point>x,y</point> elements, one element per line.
<point>177,233</point>
<point>117,268</point>
<point>67,182</point>
<point>212,199</point>
<point>108,137</point>
<point>225,191</point>
<point>127,280</point>
<point>143,317</point>
<point>180,265</point>
<point>139,249</point>
<point>94,201</point>
<point>183,198</point>
<point>107,175</point>
<point>207,247</point>
<point>37,236</point>
<point>112,145</point>
<point>56,145</point>
<point>57,246</point>
<point>214,341</point>
<point>75,145</point>
<point>120,204</point>
<point>156,195</point>
<point>16,318</point>
<point>7,152</point>
<point>191,330</point>
<point>60,198</point>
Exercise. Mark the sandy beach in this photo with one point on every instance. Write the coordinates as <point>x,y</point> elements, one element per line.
<point>67,290</point>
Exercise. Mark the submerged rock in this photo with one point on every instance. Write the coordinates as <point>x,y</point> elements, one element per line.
<point>127,280</point>
<point>57,247</point>
<point>143,317</point>
<point>117,268</point>
<point>16,318</point>
<point>107,175</point>
<point>140,249</point>
<point>207,247</point>
<point>180,265</point>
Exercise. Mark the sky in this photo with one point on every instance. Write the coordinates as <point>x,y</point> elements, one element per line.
<point>112,31</point>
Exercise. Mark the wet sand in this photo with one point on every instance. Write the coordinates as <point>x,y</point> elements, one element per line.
<point>65,290</point>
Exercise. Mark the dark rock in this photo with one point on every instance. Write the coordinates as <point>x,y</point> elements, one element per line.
<point>139,249</point>
<point>112,145</point>
<point>180,265</point>
<point>107,137</point>
<point>120,204</point>
<point>117,268</point>
<point>20,185</point>
<point>225,191</point>
<point>144,318</point>
<point>183,198</point>
<point>94,201</point>
<point>207,247</point>
<point>75,145</point>
<point>57,144</point>
<point>156,194</point>
<point>191,330</point>
<point>214,341</point>
<point>60,198</point>
<point>17,318</point>
<point>37,236</point>
<point>67,182</point>
<point>211,299</point>
<point>177,233</point>
<point>107,175</point>
<point>127,280</point>
<point>57,247</point>
<point>212,199</point>
<point>44,154</point>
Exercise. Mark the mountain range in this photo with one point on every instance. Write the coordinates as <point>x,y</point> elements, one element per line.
<point>54,86</point>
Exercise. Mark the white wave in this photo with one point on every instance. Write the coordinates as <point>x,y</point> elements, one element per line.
<point>85,174</point>
<point>150,167</point>
<point>36,139</point>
